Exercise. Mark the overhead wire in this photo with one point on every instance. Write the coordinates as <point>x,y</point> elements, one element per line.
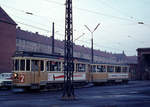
<point>60,26</point>
<point>91,11</point>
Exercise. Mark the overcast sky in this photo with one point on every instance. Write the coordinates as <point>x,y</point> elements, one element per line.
<point>119,29</point>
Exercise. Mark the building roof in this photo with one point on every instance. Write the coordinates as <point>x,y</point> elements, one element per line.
<point>143,49</point>
<point>5,18</point>
<point>132,59</point>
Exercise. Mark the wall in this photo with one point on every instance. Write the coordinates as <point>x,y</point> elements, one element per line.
<point>7,45</point>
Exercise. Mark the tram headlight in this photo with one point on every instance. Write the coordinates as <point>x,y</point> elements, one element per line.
<point>15,76</point>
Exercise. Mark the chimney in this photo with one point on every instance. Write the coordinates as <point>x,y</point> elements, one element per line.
<point>36,33</point>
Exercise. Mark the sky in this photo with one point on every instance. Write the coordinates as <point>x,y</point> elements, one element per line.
<point>118,31</point>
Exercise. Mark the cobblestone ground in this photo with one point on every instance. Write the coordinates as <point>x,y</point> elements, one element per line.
<point>134,94</point>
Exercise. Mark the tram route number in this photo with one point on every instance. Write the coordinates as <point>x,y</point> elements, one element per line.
<point>22,78</point>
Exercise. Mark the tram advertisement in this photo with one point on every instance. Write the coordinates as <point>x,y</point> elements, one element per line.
<point>60,76</point>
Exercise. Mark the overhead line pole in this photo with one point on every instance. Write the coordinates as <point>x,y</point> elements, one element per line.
<point>92,53</point>
<point>53,38</point>
<point>68,93</point>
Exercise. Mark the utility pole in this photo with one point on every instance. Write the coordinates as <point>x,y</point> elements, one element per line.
<point>68,93</point>
<point>92,53</point>
<point>53,38</point>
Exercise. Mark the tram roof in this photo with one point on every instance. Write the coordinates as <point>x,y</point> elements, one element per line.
<point>43,55</point>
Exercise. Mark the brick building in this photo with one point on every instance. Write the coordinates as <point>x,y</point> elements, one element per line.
<point>143,68</point>
<point>7,41</point>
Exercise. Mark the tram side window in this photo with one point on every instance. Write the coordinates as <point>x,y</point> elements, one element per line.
<point>34,65</point>
<point>80,67</point>
<point>110,68</point>
<point>42,65</point>
<point>124,69</point>
<point>101,68</point>
<point>27,65</point>
<point>55,66</point>
<point>48,66</point>
<point>16,65</point>
<point>118,69</point>
<point>22,65</point>
<point>93,68</point>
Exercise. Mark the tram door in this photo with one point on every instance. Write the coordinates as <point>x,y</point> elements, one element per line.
<point>36,68</point>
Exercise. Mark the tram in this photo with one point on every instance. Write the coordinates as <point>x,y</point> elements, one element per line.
<point>109,73</point>
<point>32,70</point>
<point>38,71</point>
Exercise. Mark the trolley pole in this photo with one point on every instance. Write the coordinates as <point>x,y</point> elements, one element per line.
<point>92,53</point>
<point>68,93</point>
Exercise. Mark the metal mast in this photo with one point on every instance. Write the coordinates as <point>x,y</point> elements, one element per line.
<point>68,53</point>
<point>92,53</point>
<point>53,38</point>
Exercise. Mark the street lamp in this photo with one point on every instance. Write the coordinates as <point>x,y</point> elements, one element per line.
<point>92,54</point>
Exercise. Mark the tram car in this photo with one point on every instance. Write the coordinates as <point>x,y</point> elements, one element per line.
<point>33,70</point>
<point>39,71</point>
<point>109,73</point>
